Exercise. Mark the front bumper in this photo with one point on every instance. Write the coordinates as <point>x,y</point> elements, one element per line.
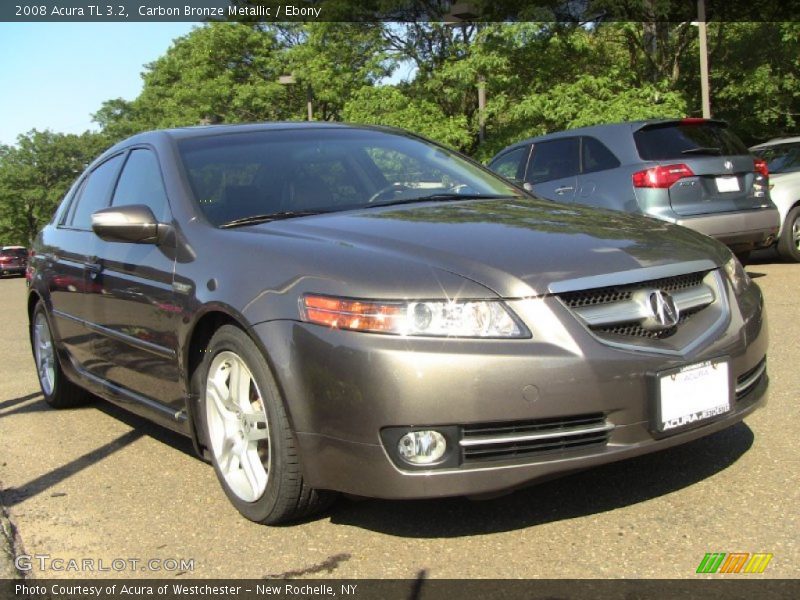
<point>745,230</point>
<point>343,388</point>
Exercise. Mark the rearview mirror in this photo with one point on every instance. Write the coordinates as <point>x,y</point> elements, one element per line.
<point>134,223</point>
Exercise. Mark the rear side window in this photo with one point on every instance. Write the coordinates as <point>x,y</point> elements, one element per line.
<point>681,140</point>
<point>597,157</point>
<point>555,159</point>
<point>140,183</point>
<point>95,193</point>
<point>511,165</point>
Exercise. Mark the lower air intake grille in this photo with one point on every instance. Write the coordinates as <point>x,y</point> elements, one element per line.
<point>522,439</point>
<point>747,381</point>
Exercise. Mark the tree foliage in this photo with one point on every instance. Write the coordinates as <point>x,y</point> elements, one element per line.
<point>35,175</point>
<point>539,76</point>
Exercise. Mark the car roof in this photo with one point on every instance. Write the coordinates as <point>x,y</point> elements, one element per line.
<point>602,131</point>
<point>181,133</point>
<point>776,142</point>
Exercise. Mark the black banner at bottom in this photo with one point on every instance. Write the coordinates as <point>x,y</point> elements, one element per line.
<point>732,588</point>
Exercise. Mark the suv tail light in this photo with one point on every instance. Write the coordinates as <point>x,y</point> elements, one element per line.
<point>760,166</point>
<point>662,176</point>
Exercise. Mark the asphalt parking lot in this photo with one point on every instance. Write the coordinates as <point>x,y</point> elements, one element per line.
<point>97,483</point>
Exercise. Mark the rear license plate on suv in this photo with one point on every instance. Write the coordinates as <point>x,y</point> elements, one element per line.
<point>728,184</point>
<point>692,393</point>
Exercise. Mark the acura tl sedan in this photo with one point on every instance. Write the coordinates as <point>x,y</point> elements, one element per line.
<point>333,308</point>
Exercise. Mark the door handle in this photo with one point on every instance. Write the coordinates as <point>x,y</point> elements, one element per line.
<point>566,188</point>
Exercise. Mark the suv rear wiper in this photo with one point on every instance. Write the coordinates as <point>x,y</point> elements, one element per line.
<point>440,198</point>
<point>254,219</point>
<point>703,150</point>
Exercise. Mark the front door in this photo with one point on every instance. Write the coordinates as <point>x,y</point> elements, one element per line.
<point>131,295</point>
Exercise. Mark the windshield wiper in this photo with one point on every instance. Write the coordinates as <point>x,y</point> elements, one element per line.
<point>278,216</point>
<point>702,150</point>
<point>440,198</point>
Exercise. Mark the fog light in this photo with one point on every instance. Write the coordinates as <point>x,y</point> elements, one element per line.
<point>421,447</point>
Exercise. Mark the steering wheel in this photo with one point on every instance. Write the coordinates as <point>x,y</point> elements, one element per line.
<point>459,188</point>
<point>394,188</point>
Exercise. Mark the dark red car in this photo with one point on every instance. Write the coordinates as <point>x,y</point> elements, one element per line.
<point>13,259</point>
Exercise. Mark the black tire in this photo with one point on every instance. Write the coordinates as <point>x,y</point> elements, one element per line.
<point>63,393</point>
<point>743,256</point>
<point>286,497</point>
<point>787,244</point>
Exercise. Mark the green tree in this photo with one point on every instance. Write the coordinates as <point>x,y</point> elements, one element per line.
<point>35,175</point>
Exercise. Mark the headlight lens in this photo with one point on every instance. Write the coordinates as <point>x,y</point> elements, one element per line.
<point>441,318</point>
<point>738,277</point>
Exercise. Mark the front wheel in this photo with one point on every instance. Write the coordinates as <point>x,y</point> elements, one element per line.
<point>247,432</point>
<point>789,242</point>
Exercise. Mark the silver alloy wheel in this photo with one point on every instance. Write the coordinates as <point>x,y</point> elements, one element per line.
<point>796,233</point>
<point>45,353</point>
<point>237,426</point>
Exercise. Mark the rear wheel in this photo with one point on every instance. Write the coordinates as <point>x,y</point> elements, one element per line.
<point>743,256</point>
<point>249,439</point>
<point>789,243</point>
<point>58,391</point>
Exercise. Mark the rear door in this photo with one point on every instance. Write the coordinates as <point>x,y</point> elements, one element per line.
<point>723,176</point>
<point>599,181</point>
<point>553,169</point>
<point>67,253</point>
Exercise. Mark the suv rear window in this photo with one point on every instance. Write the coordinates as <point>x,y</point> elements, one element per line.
<point>668,141</point>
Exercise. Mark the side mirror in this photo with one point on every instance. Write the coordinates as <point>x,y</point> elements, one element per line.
<point>528,186</point>
<point>133,223</point>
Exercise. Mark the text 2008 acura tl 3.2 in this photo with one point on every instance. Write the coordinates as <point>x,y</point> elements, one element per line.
<point>339,308</point>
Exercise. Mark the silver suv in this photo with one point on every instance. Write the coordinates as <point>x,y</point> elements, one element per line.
<point>693,172</point>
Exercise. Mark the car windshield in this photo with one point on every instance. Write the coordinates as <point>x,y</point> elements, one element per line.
<point>239,178</point>
<point>781,158</point>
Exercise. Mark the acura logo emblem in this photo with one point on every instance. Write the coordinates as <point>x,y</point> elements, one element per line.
<point>663,311</point>
<point>728,165</point>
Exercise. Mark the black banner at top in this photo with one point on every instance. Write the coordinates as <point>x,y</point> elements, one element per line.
<point>456,11</point>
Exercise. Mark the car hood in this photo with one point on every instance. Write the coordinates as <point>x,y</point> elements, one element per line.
<point>518,247</point>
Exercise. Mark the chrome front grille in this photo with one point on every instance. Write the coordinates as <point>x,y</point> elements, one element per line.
<point>622,311</point>
<point>618,293</point>
<point>523,439</point>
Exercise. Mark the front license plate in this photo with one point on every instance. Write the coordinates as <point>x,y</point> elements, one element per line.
<point>728,184</point>
<point>693,393</point>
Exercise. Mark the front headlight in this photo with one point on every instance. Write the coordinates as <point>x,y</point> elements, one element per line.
<point>738,277</point>
<point>441,318</point>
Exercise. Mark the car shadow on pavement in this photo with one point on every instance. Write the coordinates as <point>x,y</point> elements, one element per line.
<point>589,492</point>
<point>145,427</point>
<point>139,428</point>
<point>4,404</point>
<point>15,495</point>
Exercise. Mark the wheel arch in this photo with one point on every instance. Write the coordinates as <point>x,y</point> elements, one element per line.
<point>203,329</point>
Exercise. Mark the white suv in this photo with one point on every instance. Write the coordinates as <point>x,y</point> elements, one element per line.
<point>783,160</point>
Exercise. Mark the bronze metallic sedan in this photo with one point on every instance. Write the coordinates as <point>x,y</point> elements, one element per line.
<point>324,308</point>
